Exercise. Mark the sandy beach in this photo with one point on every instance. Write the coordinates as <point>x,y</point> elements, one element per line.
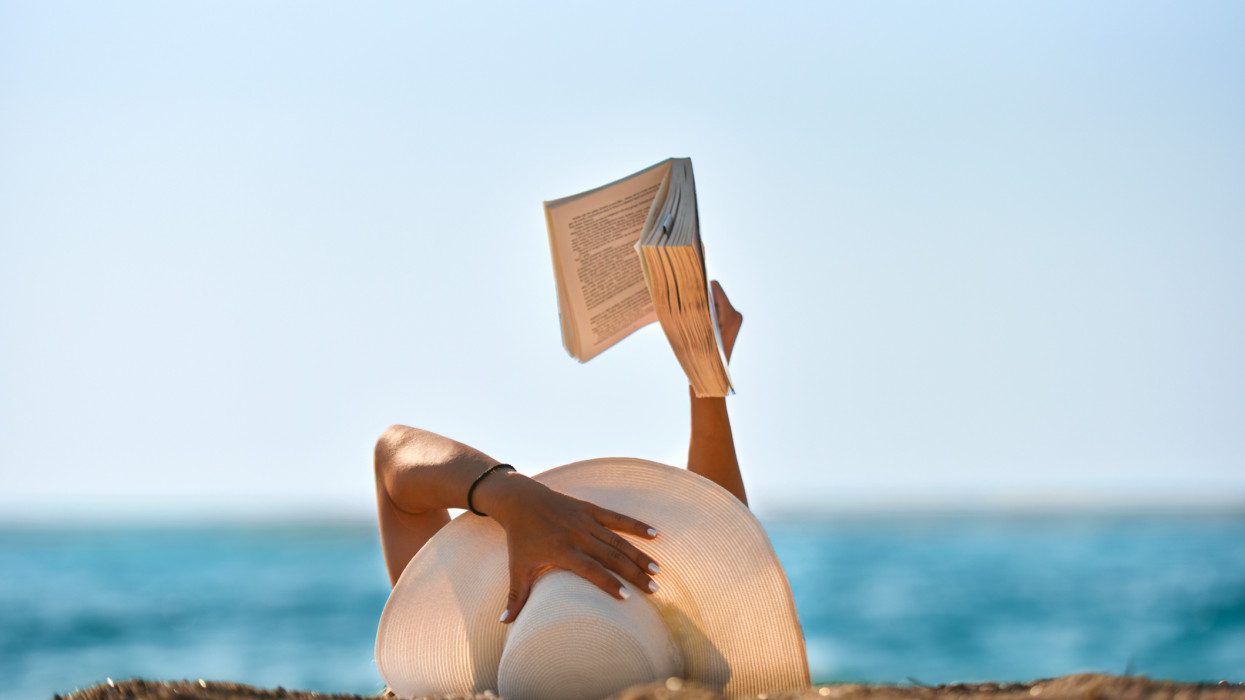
<point>1074,687</point>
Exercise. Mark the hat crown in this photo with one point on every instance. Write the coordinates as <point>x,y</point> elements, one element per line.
<point>574,641</point>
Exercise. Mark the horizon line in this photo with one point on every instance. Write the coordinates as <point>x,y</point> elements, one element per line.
<point>312,513</point>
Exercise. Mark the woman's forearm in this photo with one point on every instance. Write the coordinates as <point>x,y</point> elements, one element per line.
<point>711,452</point>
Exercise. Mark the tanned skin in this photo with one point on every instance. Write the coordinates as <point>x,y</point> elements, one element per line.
<point>419,475</point>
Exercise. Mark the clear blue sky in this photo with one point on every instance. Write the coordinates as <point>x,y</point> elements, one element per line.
<point>986,252</point>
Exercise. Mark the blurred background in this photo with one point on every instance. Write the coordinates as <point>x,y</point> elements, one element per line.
<point>991,258</point>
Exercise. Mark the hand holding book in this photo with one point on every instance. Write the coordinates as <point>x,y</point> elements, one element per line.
<point>606,291</point>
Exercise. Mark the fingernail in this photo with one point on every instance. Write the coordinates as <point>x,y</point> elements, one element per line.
<point>505,615</point>
<point>652,586</point>
<point>653,568</point>
<point>624,593</point>
<point>652,532</point>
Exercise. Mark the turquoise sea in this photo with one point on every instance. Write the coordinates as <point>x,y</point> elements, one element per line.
<point>883,599</point>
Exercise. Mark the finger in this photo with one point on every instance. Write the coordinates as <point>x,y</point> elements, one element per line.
<point>729,320</point>
<point>621,557</point>
<point>720,300</point>
<point>520,588</point>
<point>633,553</point>
<point>623,523</point>
<point>593,572</point>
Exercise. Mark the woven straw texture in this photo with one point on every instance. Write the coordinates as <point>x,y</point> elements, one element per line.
<point>724,599</point>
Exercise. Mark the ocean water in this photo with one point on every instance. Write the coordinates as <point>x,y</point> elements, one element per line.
<point>901,600</point>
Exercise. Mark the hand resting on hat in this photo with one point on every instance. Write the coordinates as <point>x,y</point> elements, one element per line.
<point>420,474</point>
<point>547,530</point>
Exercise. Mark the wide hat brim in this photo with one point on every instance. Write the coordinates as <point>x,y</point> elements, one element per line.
<point>723,595</point>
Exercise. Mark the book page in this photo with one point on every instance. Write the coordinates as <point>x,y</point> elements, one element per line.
<point>601,291</point>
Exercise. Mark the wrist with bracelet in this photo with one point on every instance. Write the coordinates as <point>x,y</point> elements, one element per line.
<point>471,491</point>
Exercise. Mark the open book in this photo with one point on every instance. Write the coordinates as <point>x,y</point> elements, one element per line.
<point>628,253</point>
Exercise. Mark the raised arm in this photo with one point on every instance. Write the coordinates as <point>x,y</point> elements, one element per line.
<point>711,452</point>
<point>420,474</point>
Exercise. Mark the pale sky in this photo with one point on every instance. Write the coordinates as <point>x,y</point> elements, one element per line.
<point>986,252</point>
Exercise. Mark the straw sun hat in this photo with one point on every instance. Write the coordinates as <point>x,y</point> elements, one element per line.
<point>723,616</point>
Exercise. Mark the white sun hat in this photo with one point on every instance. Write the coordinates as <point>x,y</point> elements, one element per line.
<point>723,616</point>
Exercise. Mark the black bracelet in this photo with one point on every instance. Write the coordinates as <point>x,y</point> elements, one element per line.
<point>471,491</point>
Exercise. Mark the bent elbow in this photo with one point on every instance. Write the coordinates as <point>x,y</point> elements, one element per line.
<point>387,445</point>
